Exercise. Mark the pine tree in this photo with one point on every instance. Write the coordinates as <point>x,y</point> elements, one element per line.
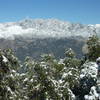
<point>93,46</point>
<point>9,78</point>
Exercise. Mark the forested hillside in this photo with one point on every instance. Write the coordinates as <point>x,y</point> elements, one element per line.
<point>36,47</point>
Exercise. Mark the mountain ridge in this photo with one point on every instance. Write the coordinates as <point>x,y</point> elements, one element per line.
<point>33,38</point>
<point>46,28</point>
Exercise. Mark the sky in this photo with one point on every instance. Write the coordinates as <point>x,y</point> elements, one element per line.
<point>76,11</point>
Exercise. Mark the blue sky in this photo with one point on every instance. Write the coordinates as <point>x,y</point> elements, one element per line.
<point>77,11</point>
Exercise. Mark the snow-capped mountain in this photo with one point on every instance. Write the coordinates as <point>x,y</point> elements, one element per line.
<point>30,37</point>
<point>46,28</point>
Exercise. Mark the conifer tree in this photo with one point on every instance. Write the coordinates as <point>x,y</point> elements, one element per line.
<point>93,46</point>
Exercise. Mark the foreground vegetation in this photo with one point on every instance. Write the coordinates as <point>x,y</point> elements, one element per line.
<point>48,78</point>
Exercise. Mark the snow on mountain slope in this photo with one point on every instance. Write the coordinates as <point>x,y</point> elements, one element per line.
<point>44,28</point>
<point>97,25</point>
